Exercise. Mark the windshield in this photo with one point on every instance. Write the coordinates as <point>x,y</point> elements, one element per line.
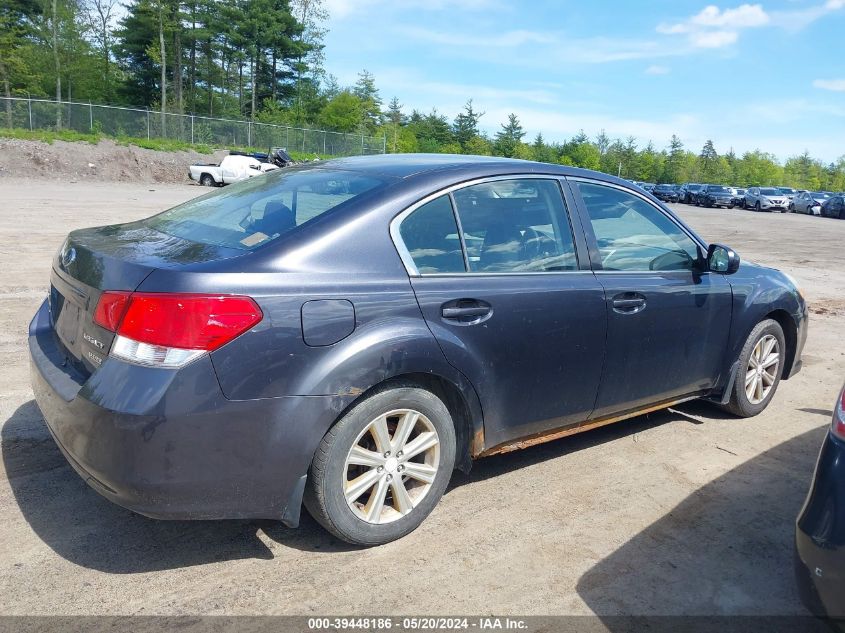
<point>770,192</point>
<point>257,211</point>
<point>718,189</point>
<point>786,190</point>
<point>694,187</point>
<point>820,195</point>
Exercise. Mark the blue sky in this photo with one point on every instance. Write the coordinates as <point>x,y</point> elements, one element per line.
<point>765,75</point>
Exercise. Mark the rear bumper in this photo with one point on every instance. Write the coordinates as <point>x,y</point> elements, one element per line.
<point>168,444</point>
<point>820,536</point>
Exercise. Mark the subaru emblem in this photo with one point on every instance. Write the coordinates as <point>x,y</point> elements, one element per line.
<point>68,256</point>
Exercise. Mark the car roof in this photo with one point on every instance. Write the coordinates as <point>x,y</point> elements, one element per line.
<point>408,165</point>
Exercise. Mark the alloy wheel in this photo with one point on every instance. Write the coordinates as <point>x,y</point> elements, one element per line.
<point>762,369</point>
<point>391,466</point>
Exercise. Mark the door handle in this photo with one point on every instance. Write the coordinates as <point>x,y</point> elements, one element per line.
<point>628,303</point>
<point>456,313</point>
<point>466,311</point>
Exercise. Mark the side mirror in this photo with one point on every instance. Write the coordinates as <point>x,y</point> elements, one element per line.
<point>721,259</point>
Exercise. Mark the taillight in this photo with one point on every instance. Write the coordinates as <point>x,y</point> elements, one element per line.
<point>838,427</point>
<point>170,330</point>
<point>110,309</point>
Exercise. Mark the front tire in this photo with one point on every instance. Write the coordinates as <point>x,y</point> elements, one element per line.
<point>381,469</point>
<point>760,370</point>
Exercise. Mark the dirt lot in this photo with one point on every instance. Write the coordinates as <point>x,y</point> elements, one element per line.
<point>680,512</point>
<point>105,161</point>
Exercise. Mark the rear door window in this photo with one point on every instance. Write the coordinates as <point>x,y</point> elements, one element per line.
<point>517,225</point>
<point>430,234</point>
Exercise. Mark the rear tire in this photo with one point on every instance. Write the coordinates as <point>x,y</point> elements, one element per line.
<point>366,446</point>
<point>207,181</point>
<point>760,370</point>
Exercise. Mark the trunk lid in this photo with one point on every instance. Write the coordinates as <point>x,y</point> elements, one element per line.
<point>117,257</point>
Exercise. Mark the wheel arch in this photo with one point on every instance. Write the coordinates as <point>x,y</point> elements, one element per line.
<point>790,336</point>
<point>462,404</point>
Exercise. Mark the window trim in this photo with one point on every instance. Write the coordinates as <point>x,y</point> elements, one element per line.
<point>408,261</point>
<point>593,245</point>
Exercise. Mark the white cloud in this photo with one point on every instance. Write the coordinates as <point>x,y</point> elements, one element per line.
<point>713,27</point>
<point>743,17</point>
<point>656,69</point>
<point>837,85</point>
<point>713,39</point>
<point>340,9</point>
<point>507,39</point>
<point>539,48</point>
<point>798,19</point>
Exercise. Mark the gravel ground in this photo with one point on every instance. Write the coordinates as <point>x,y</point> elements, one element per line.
<point>680,512</point>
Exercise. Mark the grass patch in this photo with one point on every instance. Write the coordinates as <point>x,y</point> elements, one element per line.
<point>163,144</point>
<point>48,136</point>
<point>72,136</point>
<point>157,144</point>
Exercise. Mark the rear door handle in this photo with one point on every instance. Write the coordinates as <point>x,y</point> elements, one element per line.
<point>454,313</point>
<point>628,303</point>
<point>466,310</point>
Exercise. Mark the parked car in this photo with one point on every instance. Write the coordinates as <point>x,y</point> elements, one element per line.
<point>738,196</point>
<point>690,189</point>
<point>834,207</point>
<point>789,192</point>
<point>666,193</point>
<point>233,168</point>
<point>809,202</point>
<point>715,196</point>
<point>648,186</point>
<point>765,199</point>
<point>328,333</point>
<point>820,529</point>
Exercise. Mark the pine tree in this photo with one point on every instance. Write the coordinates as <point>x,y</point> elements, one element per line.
<point>465,126</point>
<point>509,137</point>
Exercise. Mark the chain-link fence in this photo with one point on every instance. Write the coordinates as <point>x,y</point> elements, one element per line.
<point>43,114</point>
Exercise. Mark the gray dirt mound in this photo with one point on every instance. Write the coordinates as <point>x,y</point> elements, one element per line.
<point>105,161</point>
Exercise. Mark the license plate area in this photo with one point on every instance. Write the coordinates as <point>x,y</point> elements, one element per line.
<point>67,323</point>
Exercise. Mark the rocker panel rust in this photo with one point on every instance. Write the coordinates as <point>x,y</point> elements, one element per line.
<point>554,434</point>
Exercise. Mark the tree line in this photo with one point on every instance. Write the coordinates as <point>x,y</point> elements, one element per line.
<point>263,60</point>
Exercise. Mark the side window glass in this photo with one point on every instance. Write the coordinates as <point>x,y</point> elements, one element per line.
<point>430,234</point>
<point>517,225</point>
<point>633,235</point>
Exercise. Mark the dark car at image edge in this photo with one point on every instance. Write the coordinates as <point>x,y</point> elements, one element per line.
<point>820,528</point>
<point>346,333</point>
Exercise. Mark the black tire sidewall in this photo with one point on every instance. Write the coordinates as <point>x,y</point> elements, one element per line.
<point>332,510</point>
<point>740,404</point>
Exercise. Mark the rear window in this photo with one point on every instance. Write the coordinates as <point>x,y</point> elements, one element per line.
<point>256,211</point>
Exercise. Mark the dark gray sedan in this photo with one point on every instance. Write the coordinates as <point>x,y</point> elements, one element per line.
<point>349,332</point>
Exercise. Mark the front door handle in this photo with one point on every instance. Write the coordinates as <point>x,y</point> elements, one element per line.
<point>466,311</point>
<point>628,303</point>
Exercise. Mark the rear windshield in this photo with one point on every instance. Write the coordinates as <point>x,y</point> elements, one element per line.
<point>256,211</point>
